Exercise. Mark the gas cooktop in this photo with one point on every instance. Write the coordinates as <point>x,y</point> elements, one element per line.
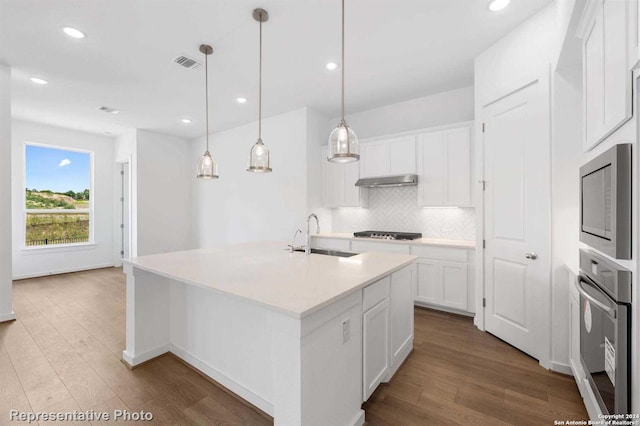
<point>386,235</point>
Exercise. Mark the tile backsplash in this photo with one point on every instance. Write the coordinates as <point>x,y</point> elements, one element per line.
<point>396,209</point>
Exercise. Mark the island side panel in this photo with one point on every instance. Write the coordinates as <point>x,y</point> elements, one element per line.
<point>318,366</point>
<point>226,338</point>
<point>147,316</point>
<point>402,294</point>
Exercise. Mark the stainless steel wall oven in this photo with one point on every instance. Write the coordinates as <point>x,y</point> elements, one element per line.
<point>605,331</point>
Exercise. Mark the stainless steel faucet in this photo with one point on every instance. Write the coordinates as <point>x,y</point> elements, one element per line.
<point>307,249</point>
<point>292,246</point>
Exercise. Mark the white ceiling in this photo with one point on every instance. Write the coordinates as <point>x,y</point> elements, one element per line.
<point>396,50</point>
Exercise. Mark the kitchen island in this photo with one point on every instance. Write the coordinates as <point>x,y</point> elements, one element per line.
<point>304,338</point>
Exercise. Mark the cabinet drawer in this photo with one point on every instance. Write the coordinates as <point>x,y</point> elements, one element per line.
<point>362,246</point>
<point>375,293</point>
<point>330,244</point>
<point>440,253</point>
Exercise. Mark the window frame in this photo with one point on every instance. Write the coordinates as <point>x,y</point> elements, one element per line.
<point>90,210</point>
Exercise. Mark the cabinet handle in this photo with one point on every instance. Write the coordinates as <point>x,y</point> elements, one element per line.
<point>531,256</point>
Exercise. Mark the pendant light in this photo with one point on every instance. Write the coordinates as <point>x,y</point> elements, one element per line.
<point>343,142</point>
<point>206,168</point>
<point>259,156</point>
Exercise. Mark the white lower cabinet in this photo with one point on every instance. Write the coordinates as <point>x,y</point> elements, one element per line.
<point>444,276</point>
<point>445,283</point>
<point>375,324</point>
<point>387,327</point>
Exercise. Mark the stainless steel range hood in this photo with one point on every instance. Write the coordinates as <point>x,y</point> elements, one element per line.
<point>388,181</point>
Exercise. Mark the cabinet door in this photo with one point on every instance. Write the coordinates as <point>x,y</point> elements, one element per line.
<point>329,199</point>
<point>374,159</point>
<point>458,177</point>
<point>431,169</point>
<point>351,194</point>
<point>338,184</point>
<point>402,294</point>
<point>593,77</point>
<point>402,156</point>
<point>376,347</point>
<point>444,168</point>
<point>428,288</point>
<point>454,285</point>
<point>606,71</point>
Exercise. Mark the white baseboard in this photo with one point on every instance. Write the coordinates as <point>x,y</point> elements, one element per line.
<point>8,317</point>
<point>225,381</point>
<point>561,368</point>
<point>62,271</point>
<point>144,357</point>
<point>443,308</point>
<point>358,420</point>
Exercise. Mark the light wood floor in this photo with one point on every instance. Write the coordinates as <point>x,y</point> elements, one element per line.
<point>63,354</point>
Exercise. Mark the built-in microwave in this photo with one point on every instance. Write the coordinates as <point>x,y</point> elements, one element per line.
<point>605,202</point>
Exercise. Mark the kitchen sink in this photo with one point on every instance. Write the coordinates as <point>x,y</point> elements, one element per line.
<point>328,252</point>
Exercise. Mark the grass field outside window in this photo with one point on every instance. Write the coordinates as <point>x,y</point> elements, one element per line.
<point>58,196</point>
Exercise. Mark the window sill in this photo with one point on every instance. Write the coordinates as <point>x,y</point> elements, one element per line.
<point>58,248</point>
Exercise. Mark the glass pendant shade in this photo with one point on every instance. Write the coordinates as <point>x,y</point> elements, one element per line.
<point>343,145</point>
<point>259,158</point>
<point>206,168</point>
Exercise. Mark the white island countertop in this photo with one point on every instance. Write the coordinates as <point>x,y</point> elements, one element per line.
<point>442,242</point>
<point>267,274</point>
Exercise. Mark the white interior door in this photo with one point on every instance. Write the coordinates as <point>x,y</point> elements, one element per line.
<point>516,218</point>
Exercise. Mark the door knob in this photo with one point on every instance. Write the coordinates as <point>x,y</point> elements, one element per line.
<point>531,256</point>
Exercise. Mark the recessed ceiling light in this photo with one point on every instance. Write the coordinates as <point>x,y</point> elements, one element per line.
<point>186,121</point>
<point>331,66</point>
<point>73,32</point>
<point>496,5</point>
<point>241,100</point>
<point>37,80</point>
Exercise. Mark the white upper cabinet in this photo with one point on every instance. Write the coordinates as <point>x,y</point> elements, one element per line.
<point>388,157</point>
<point>606,68</point>
<point>444,167</point>
<point>339,184</point>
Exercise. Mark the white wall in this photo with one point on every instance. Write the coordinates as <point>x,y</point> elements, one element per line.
<point>6,310</point>
<point>164,173</point>
<point>46,261</point>
<point>242,206</point>
<point>429,111</point>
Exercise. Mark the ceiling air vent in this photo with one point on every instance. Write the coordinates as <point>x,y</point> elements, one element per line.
<point>109,110</point>
<point>186,62</point>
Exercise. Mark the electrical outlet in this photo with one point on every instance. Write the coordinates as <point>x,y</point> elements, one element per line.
<point>346,330</point>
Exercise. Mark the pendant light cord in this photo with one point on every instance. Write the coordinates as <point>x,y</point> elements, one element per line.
<point>342,102</point>
<point>260,86</point>
<point>206,89</point>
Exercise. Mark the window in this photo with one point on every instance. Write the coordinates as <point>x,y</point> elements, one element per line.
<point>58,196</point>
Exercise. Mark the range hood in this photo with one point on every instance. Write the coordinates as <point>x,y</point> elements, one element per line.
<point>388,181</point>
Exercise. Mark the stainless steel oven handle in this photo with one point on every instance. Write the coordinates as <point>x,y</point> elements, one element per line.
<point>608,309</point>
